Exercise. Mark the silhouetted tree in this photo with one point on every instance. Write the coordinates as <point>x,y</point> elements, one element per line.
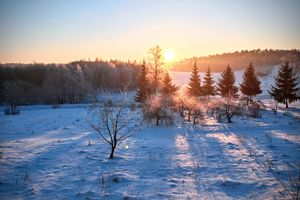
<point>168,88</point>
<point>250,85</point>
<point>143,84</point>
<point>226,85</point>
<point>113,121</point>
<point>13,95</point>
<point>156,63</point>
<point>194,87</point>
<point>286,88</point>
<point>208,84</point>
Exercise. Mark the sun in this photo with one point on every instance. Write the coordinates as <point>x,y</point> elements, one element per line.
<point>169,55</point>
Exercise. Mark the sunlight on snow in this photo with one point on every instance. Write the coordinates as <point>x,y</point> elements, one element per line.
<point>289,137</point>
<point>183,148</point>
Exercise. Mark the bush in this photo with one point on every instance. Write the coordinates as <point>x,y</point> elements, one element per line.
<point>157,111</point>
<point>8,111</point>
<point>254,110</point>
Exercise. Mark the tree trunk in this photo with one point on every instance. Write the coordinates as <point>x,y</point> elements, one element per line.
<point>229,120</point>
<point>194,121</point>
<point>157,122</point>
<point>286,104</point>
<point>111,156</point>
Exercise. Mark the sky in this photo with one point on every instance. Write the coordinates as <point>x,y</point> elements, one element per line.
<point>60,31</point>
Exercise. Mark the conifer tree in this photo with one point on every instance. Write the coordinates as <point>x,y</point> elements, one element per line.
<point>286,88</point>
<point>250,85</point>
<point>226,87</point>
<point>194,87</point>
<point>143,84</point>
<point>168,88</point>
<point>208,84</point>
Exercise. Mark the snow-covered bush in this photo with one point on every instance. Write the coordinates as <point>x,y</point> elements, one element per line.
<point>225,108</point>
<point>157,110</point>
<point>190,108</point>
<point>215,108</point>
<point>195,109</point>
<point>254,109</point>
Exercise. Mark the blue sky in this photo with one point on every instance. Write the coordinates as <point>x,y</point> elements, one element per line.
<point>62,31</point>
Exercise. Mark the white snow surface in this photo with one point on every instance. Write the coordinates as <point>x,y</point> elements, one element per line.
<point>45,154</point>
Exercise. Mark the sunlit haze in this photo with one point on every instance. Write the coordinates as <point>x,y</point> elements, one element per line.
<point>62,31</point>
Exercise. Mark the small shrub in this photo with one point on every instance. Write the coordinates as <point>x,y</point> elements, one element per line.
<point>254,110</point>
<point>132,106</point>
<point>8,111</point>
<point>157,111</point>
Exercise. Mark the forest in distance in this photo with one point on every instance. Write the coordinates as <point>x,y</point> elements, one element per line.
<point>263,60</point>
<point>39,83</point>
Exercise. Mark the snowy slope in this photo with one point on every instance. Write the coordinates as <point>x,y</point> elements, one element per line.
<point>45,154</point>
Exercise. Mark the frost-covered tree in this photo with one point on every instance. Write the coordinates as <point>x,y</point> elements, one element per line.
<point>158,109</point>
<point>143,84</point>
<point>227,108</point>
<point>208,84</point>
<point>195,109</point>
<point>226,85</point>
<point>156,63</point>
<point>168,88</point>
<point>194,87</point>
<point>285,89</point>
<point>250,85</point>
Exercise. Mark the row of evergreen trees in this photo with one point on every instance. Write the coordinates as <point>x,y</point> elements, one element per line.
<point>226,84</point>
<point>284,91</point>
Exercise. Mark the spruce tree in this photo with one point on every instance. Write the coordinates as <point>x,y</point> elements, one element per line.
<point>208,84</point>
<point>168,88</point>
<point>226,87</point>
<point>286,88</point>
<point>194,87</point>
<point>250,85</point>
<point>143,84</point>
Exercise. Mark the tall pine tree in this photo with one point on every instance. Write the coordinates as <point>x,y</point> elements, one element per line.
<point>194,87</point>
<point>226,87</point>
<point>208,84</point>
<point>286,88</point>
<point>143,84</point>
<point>250,85</point>
<point>168,88</point>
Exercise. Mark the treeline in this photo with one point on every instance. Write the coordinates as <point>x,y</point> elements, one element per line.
<point>262,59</point>
<point>63,83</point>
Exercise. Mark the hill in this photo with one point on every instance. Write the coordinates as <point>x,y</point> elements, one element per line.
<point>262,59</point>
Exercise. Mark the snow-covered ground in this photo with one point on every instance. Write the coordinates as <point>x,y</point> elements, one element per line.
<point>45,154</point>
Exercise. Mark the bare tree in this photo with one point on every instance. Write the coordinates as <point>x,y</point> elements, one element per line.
<point>13,95</point>
<point>227,107</point>
<point>198,111</point>
<point>155,62</point>
<point>113,120</point>
<point>230,107</point>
